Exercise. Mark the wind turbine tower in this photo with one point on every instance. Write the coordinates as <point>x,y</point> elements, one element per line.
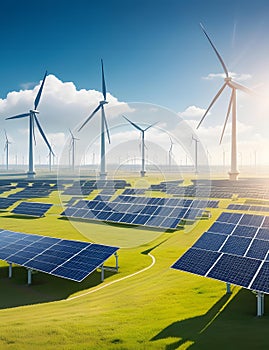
<point>6,149</point>
<point>33,120</point>
<point>104,126</point>
<point>73,146</point>
<point>196,153</point>
<point>143,146</point>
<point>228,81</point>
<point>170,153</point>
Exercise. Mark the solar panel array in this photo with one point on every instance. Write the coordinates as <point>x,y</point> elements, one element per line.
<point>32,209</point>
<point>245,188</point>
<point>6,202</point>
<point>248,207</point>
<point>146,211</point>
<point>85,187</point>
<point>37,190</point>
<point>235,249</point>
<point>134,191</point>
<point>73,260</point>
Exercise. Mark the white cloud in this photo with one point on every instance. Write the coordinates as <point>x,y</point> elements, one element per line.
<point>235,76</point>
<point>62,106</point>
<point>192,112</point>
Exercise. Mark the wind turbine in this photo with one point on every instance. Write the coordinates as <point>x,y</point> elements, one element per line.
<point>228,81</point>
<point>196,153</point>
<point>170,153</point>
<point>104,125</point>
<point>143,146</point>
<point>6,149</point>
<point>32,121</point>
<point>73,141</point>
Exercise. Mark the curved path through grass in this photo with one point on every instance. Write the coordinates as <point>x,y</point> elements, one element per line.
<point>116,281</point>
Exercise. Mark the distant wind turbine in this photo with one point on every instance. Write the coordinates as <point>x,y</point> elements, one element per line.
<point>104,125</point>
<point>143,146</point>
<point>170,153</point>
<point>32,121</point>
<point>228,81</point>
<point>73,141</point>
<point>6,149</point>
<point>196,153</point>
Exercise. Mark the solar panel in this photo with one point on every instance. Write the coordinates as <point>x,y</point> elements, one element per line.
<point>6,202</point>
<point>239,256</point>
<point>32,209</point>
<point>246,207</point>
<point>73,260</point>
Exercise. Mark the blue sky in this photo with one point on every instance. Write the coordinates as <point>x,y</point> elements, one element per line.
<point>150,48</point>
<point>154,51</point>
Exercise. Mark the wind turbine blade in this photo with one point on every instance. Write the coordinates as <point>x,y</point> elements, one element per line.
<point>90,117</point>
<point>43,134</point>
<point>6,135</point>
<point>19,116</point>
<point>133,124</point>
<point>211,104</point>
<point>103,81</point>
<point>237,86</point>
<point>71,134</point>
<point>216,51</point>
<point>150,126</point>
<point>227,115</point>
<point>38,96</point>
<point>107,131</point>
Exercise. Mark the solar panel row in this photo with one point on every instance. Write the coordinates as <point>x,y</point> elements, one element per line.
<point>248,207</point>
<point>235,249</point>
<point>86,187</point>
<point>6,202</point>
<point>73,260</point>
<point>147,211</point>
<point>32,209</point>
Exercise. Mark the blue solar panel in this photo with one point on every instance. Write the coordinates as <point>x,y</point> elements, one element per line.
<point>210,241</point>
<point>232,218</point>
<point>32,209</point>
<point>261,282</point>
<point>245,231</point>
<point>251,220</point>
<point>224,228</point>
<point>235,269</point>
<point>53,255</point>
<point>258,249</point>
<point>236,245</point>
<point>263,233</point>
<point>196,261</point>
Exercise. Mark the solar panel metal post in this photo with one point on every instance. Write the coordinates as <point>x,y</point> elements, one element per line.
<point>117,261</point>
<point>29,276</point>
<point>102,273</point>
<point>10,270</point>
<point>228,288</point>
<point>260,304</point>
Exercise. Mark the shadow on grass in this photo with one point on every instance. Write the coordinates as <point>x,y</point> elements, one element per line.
<point>44,288</point>
<point>229,324</point>
<point>15,216</point>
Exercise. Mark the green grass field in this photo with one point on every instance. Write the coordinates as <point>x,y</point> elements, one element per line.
<point>158,308</point>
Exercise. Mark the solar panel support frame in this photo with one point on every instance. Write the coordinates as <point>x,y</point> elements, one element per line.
<point>29,277</point>
<point>102,273</point>
<point>228,288</point>
<point>10,270</point>
<point>110,268</point>
<point>260,304</point>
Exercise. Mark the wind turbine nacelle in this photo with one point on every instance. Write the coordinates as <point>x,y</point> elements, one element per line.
<point>103,103</point>
<point>34,111</point>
